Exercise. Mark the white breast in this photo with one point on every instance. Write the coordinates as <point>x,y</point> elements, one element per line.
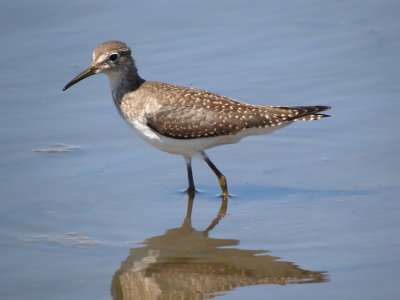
<point>193,147</point>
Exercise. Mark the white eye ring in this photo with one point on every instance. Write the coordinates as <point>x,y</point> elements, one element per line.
<point>113,57</point>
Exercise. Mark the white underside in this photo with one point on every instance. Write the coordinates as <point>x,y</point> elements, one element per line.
<point>194,147</point>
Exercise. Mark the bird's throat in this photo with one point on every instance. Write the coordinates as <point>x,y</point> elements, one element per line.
<point>123,83</point>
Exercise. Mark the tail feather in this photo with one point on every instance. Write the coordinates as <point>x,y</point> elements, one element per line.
<point>311,117</point>
<point>307,113</point>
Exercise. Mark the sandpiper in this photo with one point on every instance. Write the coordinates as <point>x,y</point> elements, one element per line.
<point>183,120</point>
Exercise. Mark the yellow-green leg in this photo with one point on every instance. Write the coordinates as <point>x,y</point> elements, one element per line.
<point>221,177</point>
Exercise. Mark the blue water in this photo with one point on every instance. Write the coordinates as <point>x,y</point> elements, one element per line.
<point>79,190</point>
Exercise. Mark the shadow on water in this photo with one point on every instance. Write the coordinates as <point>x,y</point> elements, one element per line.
<point>185,263</point>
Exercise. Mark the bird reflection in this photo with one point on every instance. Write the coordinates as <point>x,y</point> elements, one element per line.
<point>185,263</point>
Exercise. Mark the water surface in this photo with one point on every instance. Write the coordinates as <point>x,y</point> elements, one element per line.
<point>89,211</point>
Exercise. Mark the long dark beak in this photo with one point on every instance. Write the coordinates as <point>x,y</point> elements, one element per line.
<point>88,72</point>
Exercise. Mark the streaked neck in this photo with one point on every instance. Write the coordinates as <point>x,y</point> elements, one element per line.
<point>123,82</point>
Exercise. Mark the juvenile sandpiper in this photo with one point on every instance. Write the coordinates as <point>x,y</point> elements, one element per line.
<point>183,120</point>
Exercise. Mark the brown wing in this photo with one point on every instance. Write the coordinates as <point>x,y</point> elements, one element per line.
<point>187,123</point>
<point>190,113</point>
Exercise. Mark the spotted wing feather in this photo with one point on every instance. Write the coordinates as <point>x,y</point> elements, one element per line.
<point>190,113</point>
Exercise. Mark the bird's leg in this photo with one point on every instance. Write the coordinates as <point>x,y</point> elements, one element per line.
<point>221,177</point>
<point>191,189</point>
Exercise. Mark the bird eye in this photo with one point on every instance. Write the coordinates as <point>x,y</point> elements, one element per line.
<point>113,57</point>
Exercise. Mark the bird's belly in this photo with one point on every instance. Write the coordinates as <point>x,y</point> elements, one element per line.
<point>193,147</point>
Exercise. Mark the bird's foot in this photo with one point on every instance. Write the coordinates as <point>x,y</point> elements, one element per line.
<point>191,191</point>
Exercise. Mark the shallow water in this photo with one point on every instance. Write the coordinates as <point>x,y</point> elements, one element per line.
<point>89,211</point>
